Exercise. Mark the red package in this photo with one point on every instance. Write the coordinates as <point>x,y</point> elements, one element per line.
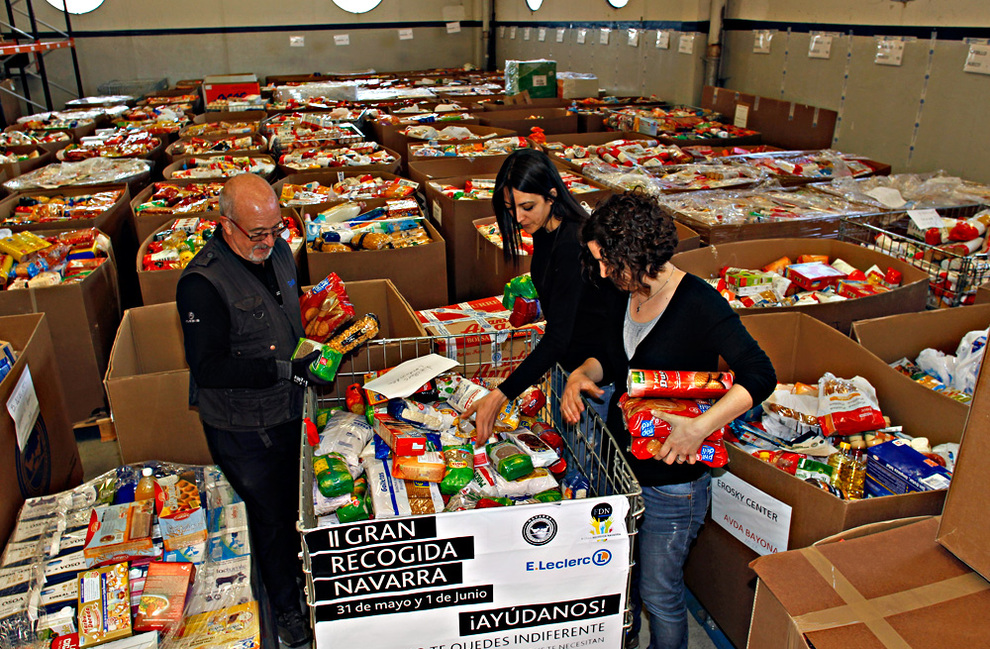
<point>325,308</point>
<point>687,385</point>
<point>532,400</point>
<point>641,420</point>
<point>847,406</point>
<point>524,311</point>
<point>712,453</point>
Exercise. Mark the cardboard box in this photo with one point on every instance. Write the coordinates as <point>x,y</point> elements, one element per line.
<point>148,378</point>
<point>576,85</point>
<point>45,156</point>
<point>229,86</point>
<point>551,120</point>
<point>909,297</point>
<point>391,136</point>
<point>455,220</point>
<point>802,349</point>
<point>389,167</point>
<point>104,605</point>
<point>965,527</point>
<point>177,165</point>
<point>230,116</point>
<point>906,335</point>
<point>158,286</point>
<point>490,270</point>
<point>120,533</point>
<point>164,597</point>
<point>588,139</point>
<point>425,169</point>
<point>49,461</point>
<point>483,133</point>
<point>147,224</point>
<point>892,587</point>
<point>83,318</point>
<point>327,178</point>
<point>258,145</point>
<point>419,273</point>
<point>537,77</point>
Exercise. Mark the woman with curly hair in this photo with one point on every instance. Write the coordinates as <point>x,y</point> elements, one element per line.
<point>529,196</point>
<point>665,320</point>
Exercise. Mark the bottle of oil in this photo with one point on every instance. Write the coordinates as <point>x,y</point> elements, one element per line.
<point>857,479</point>
<point>840,462</point>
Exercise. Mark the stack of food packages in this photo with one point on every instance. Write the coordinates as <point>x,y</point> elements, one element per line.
<point>347,227</point>
<point>953,254</point>
<point>174,247</point>
<point>373,186</point>
<point>835,436</point>
<point>170,99</point>
<point>812,279</point>
<point>480,189</point>
<point>759,206</point>
<point>311,193</point>
<point>30,261</point>
<point>629,118</point>
<point>492,233</point>
<point>292,131</point>
<point>94,171</point>
<point>385,458</point>
<point>158,120</point>
<point>415,110</point>
<point>677,178</point>
<point>680,123</point>
<point>197,145</point>
<point>399,118</point>
<point>10,157</point>
<point>951,375</point>
<point>179,199</point>
<point>492,146</point>
<point>233,104</point>
<point>704,152</point>
<point>141,557</point>
<point>813,165</point>
<point>32,138</point>
<point>223,127</point>
<point>61,207</point>
<point>359,154</point>
<point>223,167</point>
<point>910,191</point>
<point>111,143</point>
<point>54,121</point>
<point>621,153</point>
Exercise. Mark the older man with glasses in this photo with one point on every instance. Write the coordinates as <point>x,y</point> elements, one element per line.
<point>238,301</point>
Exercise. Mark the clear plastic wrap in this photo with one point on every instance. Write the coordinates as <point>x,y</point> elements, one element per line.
<point>759,206</point>
<point>918,191</point>
<point>88,172</point>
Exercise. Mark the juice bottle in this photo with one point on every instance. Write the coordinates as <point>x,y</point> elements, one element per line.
<point>145,489</point>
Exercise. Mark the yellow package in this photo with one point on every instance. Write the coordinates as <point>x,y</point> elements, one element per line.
<point>429,467</point>
<point>22,244</point>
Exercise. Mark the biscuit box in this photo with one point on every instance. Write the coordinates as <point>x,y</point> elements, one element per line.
<point>104,605</point>
<point>896,468</point>
<point>119,532</point>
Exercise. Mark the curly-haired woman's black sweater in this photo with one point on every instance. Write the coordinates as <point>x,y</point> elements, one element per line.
<point>697,327</point>
<point>573,305</point>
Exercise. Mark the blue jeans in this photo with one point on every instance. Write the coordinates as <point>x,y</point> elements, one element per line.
<point>674,514</point>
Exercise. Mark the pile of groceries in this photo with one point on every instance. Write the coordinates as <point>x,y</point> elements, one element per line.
<point>953,375</point>
<point>834,435</point>
<point>28,260</point>
<point>347,227</point>
<point>142,557</point>
<point>813,279</point>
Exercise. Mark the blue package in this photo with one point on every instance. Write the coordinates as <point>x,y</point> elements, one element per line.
<point>382,451</point>
<point>895,468</point>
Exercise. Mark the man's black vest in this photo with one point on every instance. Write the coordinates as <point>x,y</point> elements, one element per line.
<point>259,328</point>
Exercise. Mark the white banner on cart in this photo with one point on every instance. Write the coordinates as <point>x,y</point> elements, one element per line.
<point>757,519</point>
<point>528,577</point>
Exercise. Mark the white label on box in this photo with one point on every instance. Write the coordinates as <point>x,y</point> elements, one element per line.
<point>13,604</point>
<point>525,33</point>
<point>663,40</point>
<point>501,31</point>
<point>526,577</point>
<point>437,213</point>
<point>820,46</point>
<point>405,34</point>
<point>888,197</point>
<point>632,38</point>
<point>925,219</point>
<point>23,407</point>
<point>758,520</point>
<point>742,116</point>
<point>512,32</point>
<point>978,59</point>
<point>582,34</point>
<point>890,51</point>
<point>761,41</point>
<point>603,36</point>
<point>342,39</point>
<point>686,44</point>
<point>297,41</point>
<point>454,27</point>
<point>541,34</point>
<point>539,81</point>
<point>560,34</point>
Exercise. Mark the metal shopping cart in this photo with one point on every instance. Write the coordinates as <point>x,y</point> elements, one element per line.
<point>588,448</point>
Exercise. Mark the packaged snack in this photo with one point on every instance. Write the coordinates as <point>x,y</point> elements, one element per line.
<point>234,626</point>
<point>896,468</point>
<point>814,276</point>
<point>176,493</point>
<point>531,401</point>
<point>104,604</point>
<point>332,475</point>
<point>403,438</point>
<point>642,421</point>
<point>354,400</point>
<point>509,461</point>
<point>325,307</point>
<point>711,452</point>
<point>684,385</point>
<point>847,406</point>
<point>459,461</point>
<point>326,365</point>
<point>428,467</point>
<point>538,451</point>
<point>420,415</point>
<point>363,330</point>
<point>119,532</point>
<point>164,596</point>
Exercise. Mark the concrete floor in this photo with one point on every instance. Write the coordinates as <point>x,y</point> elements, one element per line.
<point>99,457</point>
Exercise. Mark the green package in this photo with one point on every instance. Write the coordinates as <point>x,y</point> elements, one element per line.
<point>460,468</point>
<point>808,468</point>
<point>549,496</point>
<point>326,365</point>
<point>539,77</point>
<point>332,476</point>
<point>357,509</point>
<point>521,286</point>
<point>510,462</point>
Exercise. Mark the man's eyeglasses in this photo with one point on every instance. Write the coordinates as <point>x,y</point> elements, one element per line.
<point>258,237</point>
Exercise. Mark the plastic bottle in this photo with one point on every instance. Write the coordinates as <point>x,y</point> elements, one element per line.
<point>857,480</point>
<point>840,462</point>
<point>145,488</point>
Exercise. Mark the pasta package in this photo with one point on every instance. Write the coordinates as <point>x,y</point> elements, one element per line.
<point>428,467</point>
<point>392,497</point>
<point>847,406</point>
<point>684,385</point>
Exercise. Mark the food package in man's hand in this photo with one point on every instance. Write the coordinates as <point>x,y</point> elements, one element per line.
<point>684,385</point>
<point>325,308</point>
<point>326,365</point>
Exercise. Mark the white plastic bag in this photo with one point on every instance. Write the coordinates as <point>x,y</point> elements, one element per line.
<point>937,364</point>
<point>969,356</point>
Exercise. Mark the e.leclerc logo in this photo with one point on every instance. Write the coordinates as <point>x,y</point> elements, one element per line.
<point>599,558</point>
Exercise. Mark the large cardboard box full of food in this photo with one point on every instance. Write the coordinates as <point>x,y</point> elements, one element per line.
<point>229,86</point>
<point>38,454</point>
<point>895,587</point>
<point>803,349</point>
<point>537,77</point>
<point>82,317</point>
<point>965,527</point>
<point>909,297</point>
<point>550,120</point>
<point>147,222</point>
<point>426,169</point>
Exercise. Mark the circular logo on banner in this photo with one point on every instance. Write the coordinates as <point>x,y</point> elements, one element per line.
<point>539,530</point>
<point>601,512</point>
<point>601,557</point>
<point>34,465</point>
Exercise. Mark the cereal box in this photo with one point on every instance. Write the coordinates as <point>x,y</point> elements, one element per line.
<point>104,605</point>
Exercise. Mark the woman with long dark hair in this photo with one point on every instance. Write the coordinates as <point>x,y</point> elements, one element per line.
<point>530,197</point>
